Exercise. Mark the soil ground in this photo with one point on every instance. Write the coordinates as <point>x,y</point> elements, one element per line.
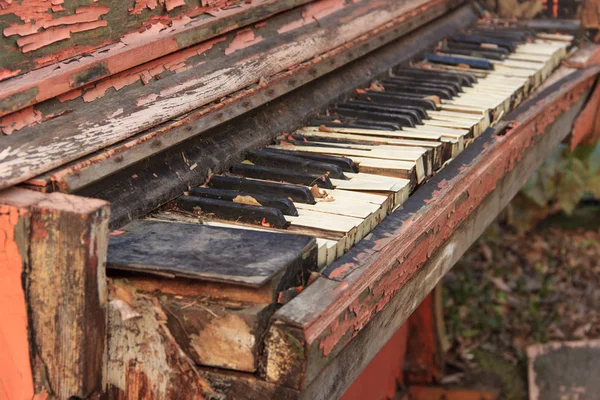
<point>511,290</point>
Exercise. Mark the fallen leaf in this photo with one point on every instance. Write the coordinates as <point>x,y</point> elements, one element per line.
<point>265,223</point>
<point>317,193</point>
<point>323,128</point>
<point>435,99</point>
<point>247,162</point>
<point>246,200</point>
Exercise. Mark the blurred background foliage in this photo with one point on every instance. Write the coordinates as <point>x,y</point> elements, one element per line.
<point>566,179</point>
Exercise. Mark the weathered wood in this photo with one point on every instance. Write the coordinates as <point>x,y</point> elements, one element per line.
<point>146,362</point>
<point>218,334</point>
<point>168,174</point>
<point>157,39</point>
<point>65,290</point>
<point>248,258</point>
<point>102,122</point>
<point>386,260</point>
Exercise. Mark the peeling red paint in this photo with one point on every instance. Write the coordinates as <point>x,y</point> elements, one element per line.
<point>313,13</point>
<point>244,38</point>
<point>35,15</point>
<point>19,120</point>
<point>330,330</point>
<point>586,129</point>
<point>175,62</point>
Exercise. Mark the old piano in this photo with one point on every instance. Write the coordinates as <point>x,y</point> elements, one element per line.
<point>224,199</point>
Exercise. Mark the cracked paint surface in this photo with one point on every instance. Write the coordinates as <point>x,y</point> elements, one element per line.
<point>476,180</point>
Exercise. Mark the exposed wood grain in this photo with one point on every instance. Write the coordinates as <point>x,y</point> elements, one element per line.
<point>86,130</point>
<point>65,288</point>
<point>146,361</point>
<point>63,76</point>
<point>333,321</point>
<point>217,334</point>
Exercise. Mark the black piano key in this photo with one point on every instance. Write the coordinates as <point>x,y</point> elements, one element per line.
<point>300,194</point>
<point>316,122</point>
<point>472,53</point>
<point>512,36</point>
<point>346,164</point>
<point>419,110</point>
<point>449,60</point>
<point>419,90</point>
<point>282,175</point>
<point>261,157</point>
<point>500,51</point>
<point>397,99</point>
<point>285,205</point>
<point>454,88</point>
<point>508,45</point>
<point>320,140</point>
<point>299,140</point>
<point>233,211</point>
<point>377,116</point>
<point>339,120</point>
<point>465,79</point>
<point>414,115</point>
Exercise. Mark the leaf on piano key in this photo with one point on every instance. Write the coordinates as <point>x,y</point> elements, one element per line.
<point>361,91</point>
<point>435,99</point>
<point>265,223</point>
<point>323,128</point>
<point>246,200</point>
<point>317,193</point>
<point>247,162</point>
<point>376,87</point>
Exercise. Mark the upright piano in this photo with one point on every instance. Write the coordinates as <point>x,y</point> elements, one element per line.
<point>224,199</point>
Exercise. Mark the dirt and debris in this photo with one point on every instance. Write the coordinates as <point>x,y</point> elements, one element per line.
<point>512,290</point>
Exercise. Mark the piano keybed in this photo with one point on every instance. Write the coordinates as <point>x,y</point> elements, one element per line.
<point>339,176</point>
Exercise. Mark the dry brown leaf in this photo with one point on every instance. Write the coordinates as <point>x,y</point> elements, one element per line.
<point>435,99</point>
<point>246,200</point>
<point>317,193</point>
<point>376,87</point>
<point>323,128</point>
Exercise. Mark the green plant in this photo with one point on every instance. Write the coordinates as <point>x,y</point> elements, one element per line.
<point>558,185</point>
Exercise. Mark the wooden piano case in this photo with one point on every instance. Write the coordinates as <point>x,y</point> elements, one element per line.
<point>110,111</point>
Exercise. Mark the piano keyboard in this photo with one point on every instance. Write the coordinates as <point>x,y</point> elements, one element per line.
<point>339,176</point>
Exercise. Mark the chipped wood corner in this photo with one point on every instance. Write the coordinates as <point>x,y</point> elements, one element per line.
<point>63,278</point>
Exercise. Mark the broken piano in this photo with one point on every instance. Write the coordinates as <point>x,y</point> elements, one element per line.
<point>251,201</point>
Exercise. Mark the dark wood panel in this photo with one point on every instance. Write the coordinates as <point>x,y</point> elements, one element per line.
<point>210,253</point>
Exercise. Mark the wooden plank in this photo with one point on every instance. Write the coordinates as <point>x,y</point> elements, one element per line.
<point>128,51</point>
<point>327,328</point>
<point>217,334</point>
<point>248,258</point>
<point>101,123</point>
<point>65,285</point>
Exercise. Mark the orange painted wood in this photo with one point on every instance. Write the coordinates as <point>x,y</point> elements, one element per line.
<point>424,355</point>
<point>55,246</point>
<point>16,381</point>
<point>439,393</point>
<point>586,129</point>
<point>381,377</point>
